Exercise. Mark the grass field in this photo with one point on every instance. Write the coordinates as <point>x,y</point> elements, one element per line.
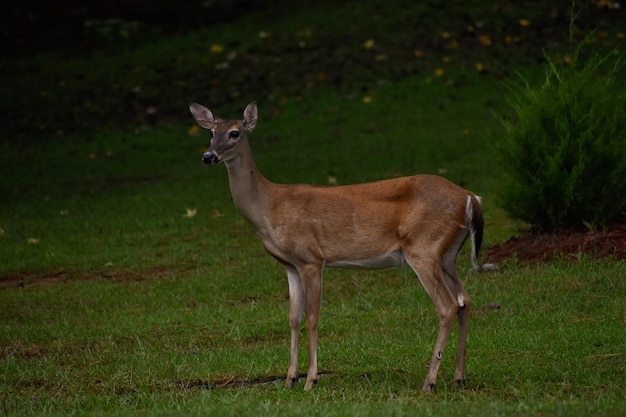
<point>129,285</point>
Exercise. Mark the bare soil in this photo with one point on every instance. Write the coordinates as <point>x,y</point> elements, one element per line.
<point>541,247</point>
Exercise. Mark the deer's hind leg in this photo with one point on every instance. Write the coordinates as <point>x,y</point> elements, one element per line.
<point>432,278</point>
<point>463,300</point>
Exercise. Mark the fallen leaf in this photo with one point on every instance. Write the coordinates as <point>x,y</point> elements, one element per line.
<point>216,49</point>
<point>485,40</point>
<point>369,44</point>
<point>524,22</point>
<point>194,130</point>
<point>191,212</point>
<point>508,39</point>
<point>453,44</point>
<point>33,241</point>
<point>480,67</point>
<point>321,76</point>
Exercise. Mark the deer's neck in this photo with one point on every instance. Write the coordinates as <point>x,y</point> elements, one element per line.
<point>249,189</point>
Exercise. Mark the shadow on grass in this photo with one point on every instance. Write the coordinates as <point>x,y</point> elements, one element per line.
<point>233,382</point>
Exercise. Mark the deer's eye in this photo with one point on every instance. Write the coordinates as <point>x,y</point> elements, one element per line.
<point>233,134</point>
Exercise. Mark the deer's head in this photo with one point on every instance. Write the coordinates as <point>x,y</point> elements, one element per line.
<point>225,134</point>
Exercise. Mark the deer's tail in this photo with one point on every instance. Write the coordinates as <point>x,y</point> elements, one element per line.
<point>475,225</point>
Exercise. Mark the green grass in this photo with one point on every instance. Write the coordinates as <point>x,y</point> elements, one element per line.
<point>114,300</point>
<point>112,345</point>
<point>140,306</point>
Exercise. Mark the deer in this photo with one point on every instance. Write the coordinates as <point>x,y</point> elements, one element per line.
<point>420,222</point>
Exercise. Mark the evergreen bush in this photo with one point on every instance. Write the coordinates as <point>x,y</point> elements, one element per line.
<point>564,152</point>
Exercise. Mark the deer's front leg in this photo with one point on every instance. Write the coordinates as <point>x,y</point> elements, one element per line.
<point>312,281</point>
<point>296,310</point>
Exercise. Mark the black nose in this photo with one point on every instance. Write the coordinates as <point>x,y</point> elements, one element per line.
<point>210,158</point>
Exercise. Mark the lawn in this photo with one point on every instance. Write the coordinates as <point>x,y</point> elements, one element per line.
<point>129,284</point>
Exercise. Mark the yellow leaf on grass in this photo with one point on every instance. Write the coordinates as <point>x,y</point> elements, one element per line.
<point>508,39</point>
<point>524,22</point>
<point>485,40</point>
<point>193,130</point>
<point>191,212</point>
<point>480,67</point>
<point>216,48</point>
<point>453,44</point>
<point>369,44</point>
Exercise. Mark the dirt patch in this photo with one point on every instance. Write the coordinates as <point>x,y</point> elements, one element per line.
<point>32,279</point>
<point>541,247</point>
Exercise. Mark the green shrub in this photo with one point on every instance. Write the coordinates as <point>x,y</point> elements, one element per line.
<point>564,153</point>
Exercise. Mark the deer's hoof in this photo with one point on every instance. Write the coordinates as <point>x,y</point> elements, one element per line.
<point>458,384</point>
<point>429,388</point>
<point>291,381</point>
<point>310,384</point>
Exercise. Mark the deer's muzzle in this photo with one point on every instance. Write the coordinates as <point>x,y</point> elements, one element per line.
<point>210,158</point>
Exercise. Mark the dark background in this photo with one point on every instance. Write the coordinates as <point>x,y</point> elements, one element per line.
<point>30,27</point>
<point>80,66</point>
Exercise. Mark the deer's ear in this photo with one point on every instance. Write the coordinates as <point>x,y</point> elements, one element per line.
<point>203,116</point>
<point>250,116</point>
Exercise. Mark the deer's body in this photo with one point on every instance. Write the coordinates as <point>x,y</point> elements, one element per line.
<point>359,234</point>
<point>420,221</point>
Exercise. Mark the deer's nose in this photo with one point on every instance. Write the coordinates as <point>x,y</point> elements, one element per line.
<point>210,158</point>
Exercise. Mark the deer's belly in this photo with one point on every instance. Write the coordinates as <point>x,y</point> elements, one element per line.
<point>386,260</point>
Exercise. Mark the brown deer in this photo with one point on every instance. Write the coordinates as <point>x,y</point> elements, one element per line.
<point>420,221</point>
